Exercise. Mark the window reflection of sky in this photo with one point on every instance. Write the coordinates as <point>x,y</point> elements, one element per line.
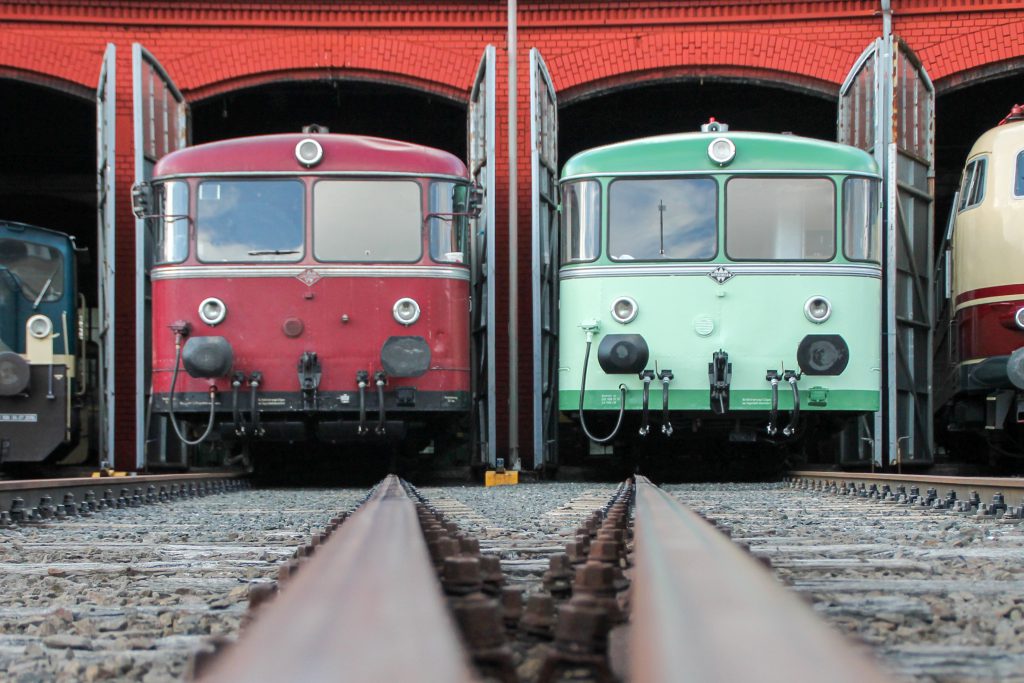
<point>686,205</point>
<point>238,217</point>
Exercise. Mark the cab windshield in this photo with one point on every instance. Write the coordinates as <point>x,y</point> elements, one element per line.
<point>367,221</point>
<point>250,221</point>
<point>780,219</point>
<point>663,219</point>
<point>33,268</point>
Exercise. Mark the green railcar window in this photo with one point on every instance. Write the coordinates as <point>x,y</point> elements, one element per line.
<point>170,224</point>
<point>448,242</point>
<point>780,219</point>
<point>250,221</point>
<point>860,220</point>
<point>367,221</point>
<point>581,221</point>
<point>654,219</point>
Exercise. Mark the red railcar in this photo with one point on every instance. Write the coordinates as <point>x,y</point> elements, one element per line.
<point>309,288</point>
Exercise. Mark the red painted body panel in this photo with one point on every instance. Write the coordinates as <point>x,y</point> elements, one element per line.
<point>985,292</point>
<point>988,330</point>
<point>342,153</point>
<point>258,307</point>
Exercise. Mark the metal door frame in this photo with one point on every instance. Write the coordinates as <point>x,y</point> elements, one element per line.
<point>106,142</point>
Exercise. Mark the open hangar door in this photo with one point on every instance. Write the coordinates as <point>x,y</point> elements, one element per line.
<point>48,153</point>
<point>563,124</point>
<point>377,108</point>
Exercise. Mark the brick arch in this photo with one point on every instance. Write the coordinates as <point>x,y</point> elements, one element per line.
<point>975,57</point>
<point>737,54</point>
<point>49,64</point>
<point>332,55</point>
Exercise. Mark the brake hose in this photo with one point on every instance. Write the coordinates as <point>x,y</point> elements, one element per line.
<point>583,389</point>
<point>170,410</point>
<point>774,415</point>
<point>790,429</point>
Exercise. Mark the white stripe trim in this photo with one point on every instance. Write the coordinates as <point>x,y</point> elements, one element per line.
<point>247,271</point>
<point>654,270</point>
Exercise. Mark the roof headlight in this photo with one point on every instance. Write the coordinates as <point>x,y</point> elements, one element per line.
<point>624,309</point>
<point>818,309</point>
<point>721,151</point>
<point>212,311</point>
<point>406,311</point>
<point>40,327</point>
<point>309,152</point>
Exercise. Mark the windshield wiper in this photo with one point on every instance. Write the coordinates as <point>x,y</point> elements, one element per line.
<point>272,252</point>
<point>49,281</point>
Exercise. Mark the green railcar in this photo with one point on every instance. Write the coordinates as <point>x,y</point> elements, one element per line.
<point>719,281</point>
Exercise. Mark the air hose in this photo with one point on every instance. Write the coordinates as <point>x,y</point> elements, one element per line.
<point>170,410</point>
<point>790,429</point>
<point>362,377</point>
<point>645,427</point>
<point>583,389</point>
<point>381,429</point>
<point>773,377</point>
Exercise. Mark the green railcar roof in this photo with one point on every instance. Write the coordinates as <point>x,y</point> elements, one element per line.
<point>688,152</point>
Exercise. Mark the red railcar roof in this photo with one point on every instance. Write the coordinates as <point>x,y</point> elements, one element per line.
<point>342,153</point>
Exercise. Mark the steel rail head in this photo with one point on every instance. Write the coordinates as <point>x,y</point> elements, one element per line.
<point>366,606</point>
<point>704,610</point>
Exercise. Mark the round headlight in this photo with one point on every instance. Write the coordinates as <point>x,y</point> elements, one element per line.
<point>817,309</point>
<point>721,151</point>
<point>406,311</point>
<point>309,152</point>
<point>39,326</point>
<point>624,309</point>
<point>212,311</point>
<point>1019,318</point>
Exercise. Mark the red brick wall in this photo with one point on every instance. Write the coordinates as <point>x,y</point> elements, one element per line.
<point>213,47</point>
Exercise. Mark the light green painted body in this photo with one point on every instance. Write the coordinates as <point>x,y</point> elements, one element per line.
<point>757,318</point>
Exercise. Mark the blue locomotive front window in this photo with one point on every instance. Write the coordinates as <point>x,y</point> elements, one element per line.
<point>581,221</point>
<point>1018,183</point>
<point>250,220</point>
<point>35,269</point>
<point>367,220</point>
<point>171,222</point>
<point>780,219</point>
<point>447,206</point>
<point>860,219</point>
<point>663,219</point>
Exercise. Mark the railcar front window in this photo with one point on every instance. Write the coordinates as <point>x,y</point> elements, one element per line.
<point>581,221</point>
<point>171,222</point>
<point>445,201</point>
<point>250,220</point>
<point>367,221</point>
<point>1018,183</point>
<point>36,269</point>
<point>663,219</point>
<point>780,219</point>
<point>860,219</point>
<point>972,190</point>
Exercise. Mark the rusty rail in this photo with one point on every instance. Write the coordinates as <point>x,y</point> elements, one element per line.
<point>704,610</point>
<point>23,500</point>
<point>367,606</point>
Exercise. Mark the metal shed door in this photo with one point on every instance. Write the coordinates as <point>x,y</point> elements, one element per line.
<point>106,110</point>
<point>544,202</point>
<point>162,125</point>
<point>481,168</point>
<point>889,84</point>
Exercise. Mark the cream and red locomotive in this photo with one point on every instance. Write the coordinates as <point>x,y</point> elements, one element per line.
<point>988,287</point>
<point>309,288</point>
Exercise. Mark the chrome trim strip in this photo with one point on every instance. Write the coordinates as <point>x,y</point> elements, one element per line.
<point>309,172</point>
<point>654,270</point>
<point>611,174</point>
<point>248,271</point>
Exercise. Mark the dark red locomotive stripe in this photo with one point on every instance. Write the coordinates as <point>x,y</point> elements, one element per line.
<point>985,292</point>
<point>989,329</point>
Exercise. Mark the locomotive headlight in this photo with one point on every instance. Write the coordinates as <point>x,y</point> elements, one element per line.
<point>624,309</point>
<point>1018,318</point>
<point>818,309</point>
<point>406,311</point>
<point>40,327</point>
<point>309,152</point>
<point>721,151</point>
<point>212,311</point>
